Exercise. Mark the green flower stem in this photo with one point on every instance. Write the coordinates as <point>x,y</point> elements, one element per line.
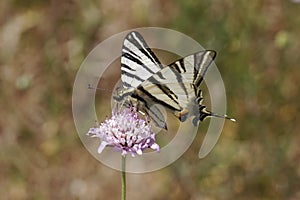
<point>123,178</point>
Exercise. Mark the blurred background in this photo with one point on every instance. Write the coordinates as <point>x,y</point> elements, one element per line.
<point>42,45</point>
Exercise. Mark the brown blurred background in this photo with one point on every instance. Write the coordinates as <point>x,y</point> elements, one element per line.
<point>43,43</point>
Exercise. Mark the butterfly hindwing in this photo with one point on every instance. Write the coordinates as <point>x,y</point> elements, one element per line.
<point>177,86</point>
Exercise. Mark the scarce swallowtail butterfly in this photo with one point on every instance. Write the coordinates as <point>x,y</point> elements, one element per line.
<point>176,87</point>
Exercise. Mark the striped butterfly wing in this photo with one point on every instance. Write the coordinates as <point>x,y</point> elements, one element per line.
<point>177,86</point>
<point>138,63</point>
<point>196,64</point>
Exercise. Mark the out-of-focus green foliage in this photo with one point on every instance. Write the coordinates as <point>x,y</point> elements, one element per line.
<point>42,44</point>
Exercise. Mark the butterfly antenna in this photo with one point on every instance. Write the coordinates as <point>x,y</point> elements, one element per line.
<point>92,88</point>
<point>223,116</point>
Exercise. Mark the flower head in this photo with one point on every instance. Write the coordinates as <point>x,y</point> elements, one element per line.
<point>126,131</point>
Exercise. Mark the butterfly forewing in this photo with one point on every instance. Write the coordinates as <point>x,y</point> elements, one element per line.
<point>202,61</point>
<point>138,62</point>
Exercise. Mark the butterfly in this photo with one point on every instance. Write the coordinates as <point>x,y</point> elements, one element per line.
<point>148,84</point>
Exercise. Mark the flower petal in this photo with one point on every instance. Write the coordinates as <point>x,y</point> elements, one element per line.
<point>155,146</point>
<point>139,152</point>
<point>102,146</point>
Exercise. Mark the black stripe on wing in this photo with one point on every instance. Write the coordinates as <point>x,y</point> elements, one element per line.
<point>138,62</point>
<point>202,60</point>
<point>164,89</point>
<point>178,69</point>
<point>152,110</point>
<point>157,117</point>
<point>154,99</point>
<point>138,40</point>
<point>195,65</point>
<point>136,59</point>
<point>194,68</point>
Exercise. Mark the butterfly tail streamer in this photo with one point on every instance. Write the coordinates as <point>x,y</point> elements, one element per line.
<point>204,113</point>
<point>222,116</point>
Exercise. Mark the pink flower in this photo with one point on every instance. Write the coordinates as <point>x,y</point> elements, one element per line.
<point>126,131</point>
